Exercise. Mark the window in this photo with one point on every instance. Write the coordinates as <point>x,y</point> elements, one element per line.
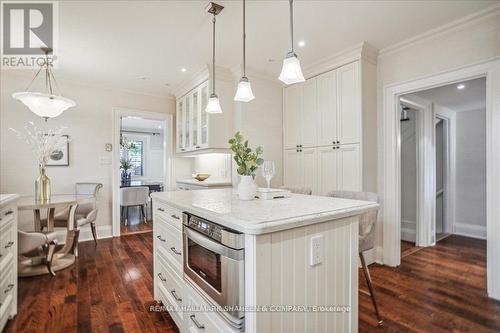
<point>135,154</point>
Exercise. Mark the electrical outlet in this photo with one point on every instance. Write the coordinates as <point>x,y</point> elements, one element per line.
<point>316,250</point>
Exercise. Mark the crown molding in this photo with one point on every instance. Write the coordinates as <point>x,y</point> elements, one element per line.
<point>456,25</point>
<point>363,50</point>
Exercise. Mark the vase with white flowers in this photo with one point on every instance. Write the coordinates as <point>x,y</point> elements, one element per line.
<point>43,143</point>
<point>248,161</point>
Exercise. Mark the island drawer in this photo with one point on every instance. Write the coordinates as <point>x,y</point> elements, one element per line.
<point>169,243</point>
<point>170,215</point>
<point>171,281</point>
<point>203,320</point>
<point>170,297</point>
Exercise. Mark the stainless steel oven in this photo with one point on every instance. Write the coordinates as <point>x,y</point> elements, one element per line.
<point>214,261</point>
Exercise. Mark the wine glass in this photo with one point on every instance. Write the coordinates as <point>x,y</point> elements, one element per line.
<point>268,172</point>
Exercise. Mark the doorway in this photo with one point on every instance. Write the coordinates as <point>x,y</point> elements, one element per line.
<point>142,164</point>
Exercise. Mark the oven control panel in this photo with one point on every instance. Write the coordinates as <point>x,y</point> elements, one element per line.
<point>210,229</point>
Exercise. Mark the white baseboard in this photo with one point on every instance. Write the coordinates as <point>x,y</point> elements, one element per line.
<point>103,231</point>
<point>469,230</point>
<point>408,235</point>
<point>373,256</point>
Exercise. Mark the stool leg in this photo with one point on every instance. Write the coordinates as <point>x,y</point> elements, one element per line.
<point>370,286</point>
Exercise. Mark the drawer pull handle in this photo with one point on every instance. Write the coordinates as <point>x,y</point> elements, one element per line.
<point>9,212</point>
<point>193,319</point>
<point>177,298</point>
<point>9,288</point>
<point>161,209</point>
<point>9,244</point>
<point>175,217</point>
<point>174,250</point>
<point>159,237</point>
<point>161,277</point>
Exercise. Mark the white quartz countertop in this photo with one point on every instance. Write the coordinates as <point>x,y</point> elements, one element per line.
<point>222,206</point>
<point>5,199</point>
<point>208,182</point>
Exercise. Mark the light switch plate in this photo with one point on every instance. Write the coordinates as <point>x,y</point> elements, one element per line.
<point>316,250</point>
<point>105,160</point>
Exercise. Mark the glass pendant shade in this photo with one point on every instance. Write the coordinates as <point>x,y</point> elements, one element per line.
<point>44,105</point>
<point>213,105</point>
<point>291,72</point>
<point>244,92</point>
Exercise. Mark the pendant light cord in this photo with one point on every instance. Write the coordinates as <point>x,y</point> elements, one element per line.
<point>244,43</point>
<point>291,26</point>
<point>213,58</point>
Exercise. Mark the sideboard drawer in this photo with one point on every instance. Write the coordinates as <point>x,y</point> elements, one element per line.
<point>6,215</point>
<point>7,285</point>
<point>8,240</point>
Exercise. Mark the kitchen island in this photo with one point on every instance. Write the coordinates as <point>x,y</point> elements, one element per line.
<point>279,265</point>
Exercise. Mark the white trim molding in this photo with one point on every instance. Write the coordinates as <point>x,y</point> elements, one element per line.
<point>103,231</point>
<point>391,202</point>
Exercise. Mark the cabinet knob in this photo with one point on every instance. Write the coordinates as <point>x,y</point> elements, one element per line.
<point>197,147</point>
<point>338,142</point>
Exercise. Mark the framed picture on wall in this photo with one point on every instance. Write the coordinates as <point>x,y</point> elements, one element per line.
<point>60,157</point>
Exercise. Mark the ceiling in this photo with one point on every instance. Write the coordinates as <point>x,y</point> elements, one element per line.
<point>472,97</point>
<point>142,45</point>
<point>141,124</point>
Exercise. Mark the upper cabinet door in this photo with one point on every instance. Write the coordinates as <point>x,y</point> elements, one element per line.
<point>309,112</point>
<point>187,122</point>
<point>349,168</point>
<point>327,169</point>
<point>327,108</point>
<point>293,167</point>
<point>196,118</point>
<point>349,104</point>
<point>292,116</point>
<point>180,124</point>
<point>203,116</point>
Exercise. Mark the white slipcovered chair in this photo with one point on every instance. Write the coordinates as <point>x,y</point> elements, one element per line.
<point>366,235</point>
<point>134,196</point>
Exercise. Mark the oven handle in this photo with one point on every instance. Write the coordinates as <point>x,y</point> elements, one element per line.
<point>213,245</point>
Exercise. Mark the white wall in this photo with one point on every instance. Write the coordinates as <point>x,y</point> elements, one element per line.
<point>217,165</point>
<point>467,42</point>
<point>470,196</point>
<point>409,177</point>
<point>89,127</point>
<point>261,122</point>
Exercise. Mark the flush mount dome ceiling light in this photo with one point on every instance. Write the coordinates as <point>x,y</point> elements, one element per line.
<point>213,105</point>
<point>244,91</point>
<point>45,104</point>
<point>291,72</point>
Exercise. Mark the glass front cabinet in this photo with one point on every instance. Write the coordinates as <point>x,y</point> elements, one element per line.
<point>192,121</point>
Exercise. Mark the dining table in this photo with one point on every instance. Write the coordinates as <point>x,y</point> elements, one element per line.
<point>65,256</point>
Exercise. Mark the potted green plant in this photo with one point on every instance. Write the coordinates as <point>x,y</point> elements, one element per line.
<point>248,161</point>
<point>125,165</point>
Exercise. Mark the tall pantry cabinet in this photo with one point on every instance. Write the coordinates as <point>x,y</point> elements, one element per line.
<point>329,122</point>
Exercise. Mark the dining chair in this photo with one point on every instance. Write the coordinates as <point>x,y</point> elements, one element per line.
<point>366,235</point>
<point>134,196</point>
<point>43,242</point>
<point>85,213</point>
<point>297,189</point>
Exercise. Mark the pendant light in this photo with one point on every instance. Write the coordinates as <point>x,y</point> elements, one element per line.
<point>244,92</point>
<point>291,72</point>
<point>45,104</point>
<point>213,105</point>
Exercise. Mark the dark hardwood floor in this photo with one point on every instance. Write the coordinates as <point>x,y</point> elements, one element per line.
<point>436,289</point>
<point>109,289</point>
<point>136,224</point>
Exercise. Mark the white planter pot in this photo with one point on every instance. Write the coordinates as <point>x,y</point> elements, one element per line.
<point>247,188</point>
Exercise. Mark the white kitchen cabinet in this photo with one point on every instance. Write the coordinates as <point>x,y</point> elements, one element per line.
<point>327,169</point>
<point>349,104</point>
<point>308,115</point>
<point>301,167</point>
<point>349,168</point>
<point>292,116</point>
<point>198,131</point>
<point>327,108</point>
<point>325,114</point>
